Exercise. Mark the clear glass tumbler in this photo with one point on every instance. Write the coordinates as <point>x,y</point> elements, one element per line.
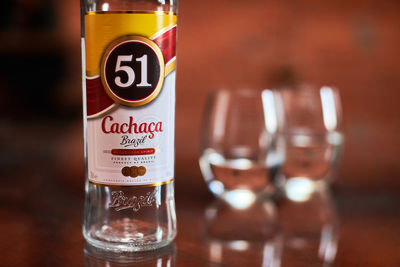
<point>241,150</point>
<point>313,137</point>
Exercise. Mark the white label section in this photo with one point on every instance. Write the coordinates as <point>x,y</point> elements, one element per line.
<point>145,133</point>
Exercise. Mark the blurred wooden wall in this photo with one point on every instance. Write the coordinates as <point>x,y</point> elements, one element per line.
<point>354,45</point>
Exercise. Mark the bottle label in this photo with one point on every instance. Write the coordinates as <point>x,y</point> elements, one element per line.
<point>130,97</point>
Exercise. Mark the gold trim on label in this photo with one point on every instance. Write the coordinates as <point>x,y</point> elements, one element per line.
<point>131,12</point>
<point>140,185</point>
<point>170,68</point>
<point>160,57</point>
<point>163,30</point>
<point>92,73</point>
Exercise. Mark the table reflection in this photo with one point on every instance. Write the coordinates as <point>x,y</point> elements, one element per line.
<point>292,234</point>
<point>238,236</point>
<point>310,230</point>
<point>164,257</point>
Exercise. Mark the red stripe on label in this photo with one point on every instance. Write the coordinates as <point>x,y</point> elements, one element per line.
<point>167,44</point>
<point>133,152</point>
<point>97,99</point>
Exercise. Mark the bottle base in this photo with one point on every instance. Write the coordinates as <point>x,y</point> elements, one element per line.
<point>128,235</point>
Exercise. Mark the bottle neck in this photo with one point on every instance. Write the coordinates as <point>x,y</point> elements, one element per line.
<point>129,5</point>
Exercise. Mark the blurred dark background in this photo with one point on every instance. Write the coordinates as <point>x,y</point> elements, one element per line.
<point>353,45</point>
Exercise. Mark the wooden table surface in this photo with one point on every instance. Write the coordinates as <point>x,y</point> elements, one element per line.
<point>41,204</point>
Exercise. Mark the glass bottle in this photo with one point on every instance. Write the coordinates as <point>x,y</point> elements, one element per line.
<point>128,59</point>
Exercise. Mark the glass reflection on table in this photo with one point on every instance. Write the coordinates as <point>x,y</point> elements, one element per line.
<point>298,232</point>
<point>164,257</point>
<point>242,237</point>
<point>310,228</point>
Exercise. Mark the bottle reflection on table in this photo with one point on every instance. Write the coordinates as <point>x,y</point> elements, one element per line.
<point>242,237</point>
<point>310,229</point>
<point>164,257</point>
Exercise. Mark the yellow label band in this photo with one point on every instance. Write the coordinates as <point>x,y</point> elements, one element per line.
<point>101,28</point>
